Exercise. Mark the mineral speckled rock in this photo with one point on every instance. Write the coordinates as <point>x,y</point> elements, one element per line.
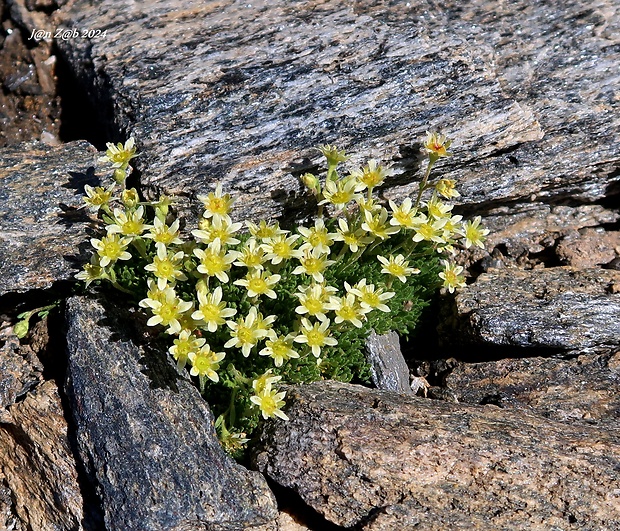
<point>583,388</point>
<point>241,92</point>
<point>38,472</point>
<point>40,188</point>
<point>559,308</point>
<point>146,436</point>
<point>385,461</point>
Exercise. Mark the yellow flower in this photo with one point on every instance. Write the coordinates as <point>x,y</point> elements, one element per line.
<point>221,228</point>
<point>315,336</point>
<point>446,188</point>
<point>270,403</point>
<point>403,215</point>
<point>348,309</point>
<point>397,266</point>
<point>259,283</point>
<point>265,381</point>
<point>263,231</point>
<point>313,300</point>
<point>436,208</point>
<point>313,263</point>
<point>281,248</point>
<point>167,310</point>
<point>111,248</point>
<point>166,267</point>
<point>451,276</point>
<point>252,255</point>
<point>352,239</point>
<point>378,225</point>
<point>164,235</point>
<point>183,346</point>
<point>119,155</point>
<point>473,233</point>
<point>98,196</point>
<point>211,309</point>
<point>130,198</point>
<point>429,230</point>
<point>370,176</point>
<point>216,204</point>
<point>436,145</point>
<point>130,223</point>
<point>214,261</point>
<point>280,348</point>
<point>246,332</point>
<point>316,237</point>
<point>339,193</point>
<point>370,297</point>
<point>332,154</point>
<point>205,364</point>
<point>92,271</point>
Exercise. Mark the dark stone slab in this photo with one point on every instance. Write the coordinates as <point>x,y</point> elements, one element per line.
<point>583,388</point>
<point>560,308</point>
<point>380,460</point>
<point>146,435</point>
<point>242,92</point>
<point>41,231</point>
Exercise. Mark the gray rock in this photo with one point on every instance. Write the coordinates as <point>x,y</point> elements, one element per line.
<point>388,368</point>
<point>41,231</point>
<point>583,388</point>
<point>146,435</point>
<point>558,308</point>
<point>241,92</point>
<point>380,460</point>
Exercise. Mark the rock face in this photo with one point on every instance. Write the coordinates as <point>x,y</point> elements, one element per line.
<point>388,368</point>
<point>147,438</point>
<point>558,308</point>
<point>41,231</point>
<point>385,461</point>
<point>583,388</point>
<point>38,473</point>
<point>242,92</point>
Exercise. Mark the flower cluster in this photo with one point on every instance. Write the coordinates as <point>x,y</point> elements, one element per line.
<point>251,306</point>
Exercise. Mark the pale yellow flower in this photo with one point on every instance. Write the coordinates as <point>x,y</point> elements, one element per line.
<point>211,309</point>
<point>378,225</point>
<point>370,297</point>
<point>205,364</point>
<point>246,332</point>
<point>259,283</point>
<point>252,255</point>
<point>111,248</point>
<point>280,348</point>
<point>281,248</point>
<point>446,188</point>
<point>473,233</point>
<point>451,276</point>
<point>403,214</point>
<point>313,300</point>
<point>98,196</point>
<point>270,403</point>
<point>313,263</point>
<point>353,239</point>
<point>264,231</point>
<point>164,235</point>
<point>339,193</point>
<point>220,227</point>
<point>436,145</point>
<point>348,309</point>
<point>371,175</point>
<point>166,267</point>
<point>315,335</point>
<point>185,344</point>
<point>130,223</point>
<point>167,310</point>
<point>397,266</point>
<point>316,237</point>
<point>216,204</point>
<point>214,261</point>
